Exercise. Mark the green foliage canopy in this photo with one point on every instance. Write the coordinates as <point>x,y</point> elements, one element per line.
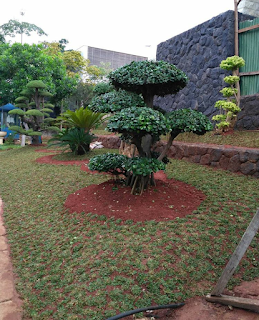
<point>20,64</point>
<point>188,120</point>
<point>232,63</point>
<point>116,100</point>
<point>109,162</point>
<point>149,78</point>
<point>143,166</point>
<point>140,121</point>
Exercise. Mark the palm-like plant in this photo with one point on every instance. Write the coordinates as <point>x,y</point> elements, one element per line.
<point>82,118</point>
<point>77,136</point>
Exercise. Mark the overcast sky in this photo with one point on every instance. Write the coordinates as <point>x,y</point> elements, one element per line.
<point>130,26</point>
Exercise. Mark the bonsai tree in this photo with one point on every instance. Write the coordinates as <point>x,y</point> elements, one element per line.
<point>142,125</point>
<point>230,106</point>
<point>77,136</point>
<point>34,112</point>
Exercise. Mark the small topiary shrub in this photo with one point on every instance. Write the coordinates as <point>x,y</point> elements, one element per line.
<point>110,162</point>
<point>229,108</point>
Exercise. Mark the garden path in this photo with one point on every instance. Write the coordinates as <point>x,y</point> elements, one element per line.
<point>10,304</point>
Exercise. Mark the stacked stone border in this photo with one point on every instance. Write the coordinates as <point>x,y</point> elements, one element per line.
<point>235,159</point>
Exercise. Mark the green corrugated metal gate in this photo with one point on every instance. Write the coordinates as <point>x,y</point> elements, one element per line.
<point>249,50</point>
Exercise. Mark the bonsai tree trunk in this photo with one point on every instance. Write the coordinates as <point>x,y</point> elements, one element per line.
<point>36,140</point>
<point>139,183</point>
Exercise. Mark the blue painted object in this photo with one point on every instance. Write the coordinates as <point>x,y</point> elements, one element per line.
<point>7,120</point>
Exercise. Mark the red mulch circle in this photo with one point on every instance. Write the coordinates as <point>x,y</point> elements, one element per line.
<point>168,200</point>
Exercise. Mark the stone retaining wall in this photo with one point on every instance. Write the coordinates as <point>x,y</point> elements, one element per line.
<point>234,159</point>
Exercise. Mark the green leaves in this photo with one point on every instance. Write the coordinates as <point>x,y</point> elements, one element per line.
<point>82,118</point>
<point>20,64</point>
<point>143,166</point>
<point>36,84</point>
<point>230,107</point>
<point>231,79</point>
<point>188,120</point>
<point>109,162</point>
<point>35,113</point>
<point>13,27</point>
<point>149,78</point>
<point>232,63</point>
<point>17,111</point>
<point>116,100</point>
<point>229,92</point>
<point>120,164</point>
<point>227,106</point>
<point>139,121</point>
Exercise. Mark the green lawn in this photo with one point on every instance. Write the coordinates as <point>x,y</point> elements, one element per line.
<point>78,266</point>
<point>8,146</point>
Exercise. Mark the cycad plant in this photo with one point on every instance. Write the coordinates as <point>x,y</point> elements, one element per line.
<point>82,118</point>
<point>75,139</point>
<point>77,136</point>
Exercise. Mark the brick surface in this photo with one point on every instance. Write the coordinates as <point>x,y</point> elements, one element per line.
<point>6,286</point>
<point>5,263</point>
<point>10,304</point>
<point>2,230</point>
<point>3,243</point>
<point>10,311</point>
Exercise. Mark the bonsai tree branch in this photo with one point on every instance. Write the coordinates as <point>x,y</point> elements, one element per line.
<point>173,135</point>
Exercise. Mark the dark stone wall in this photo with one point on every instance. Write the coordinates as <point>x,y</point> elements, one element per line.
<point>248,117</point>
<point>198,52</point>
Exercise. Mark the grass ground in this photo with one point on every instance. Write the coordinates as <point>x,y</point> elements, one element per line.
<point>85,266</point>
<point>8,147</point>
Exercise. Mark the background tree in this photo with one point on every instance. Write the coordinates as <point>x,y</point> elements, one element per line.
<point>79,67</point>
<point>14,27</point>
<point>34,111</point>
<point>142,125</point>
<point>2,38</point>
<point>20,64</point>
<point>62,44</point>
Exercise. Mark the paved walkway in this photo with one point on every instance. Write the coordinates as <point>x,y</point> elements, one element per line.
<point>10,304</point>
